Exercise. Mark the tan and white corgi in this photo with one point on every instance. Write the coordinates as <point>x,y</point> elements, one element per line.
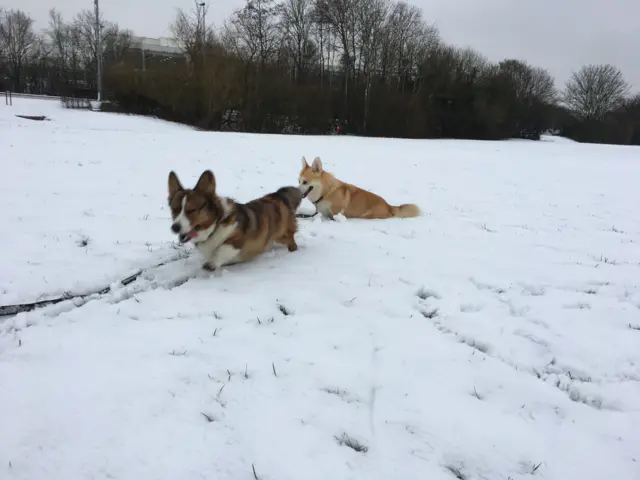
<point>332,196</point>
<point>225,231</point>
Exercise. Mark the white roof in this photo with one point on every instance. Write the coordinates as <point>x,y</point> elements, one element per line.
<point>162,44</point>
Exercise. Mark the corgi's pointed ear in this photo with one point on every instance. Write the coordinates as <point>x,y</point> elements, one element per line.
<point>174,184</point>
<point>304,163</point>
<point>206,183</point>
<point>316,166</point>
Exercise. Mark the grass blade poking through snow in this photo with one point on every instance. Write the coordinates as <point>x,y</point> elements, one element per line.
<point>352,443</point>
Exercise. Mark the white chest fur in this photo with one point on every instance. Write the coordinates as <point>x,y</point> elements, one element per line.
<point>219,236</point>
<point>324,208</point>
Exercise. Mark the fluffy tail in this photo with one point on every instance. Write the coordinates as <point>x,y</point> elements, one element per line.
<point>407,210</point>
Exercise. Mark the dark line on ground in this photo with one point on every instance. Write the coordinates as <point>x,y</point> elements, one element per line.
<point>10,310</point>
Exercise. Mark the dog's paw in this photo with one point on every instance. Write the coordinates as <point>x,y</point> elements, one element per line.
<point>209,267</point>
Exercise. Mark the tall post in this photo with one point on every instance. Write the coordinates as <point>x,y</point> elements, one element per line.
<point>204,21</point>
<point>203,32</point>
<point>98,49</point>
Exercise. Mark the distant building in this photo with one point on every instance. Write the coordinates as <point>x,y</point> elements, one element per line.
<point>157,46</point>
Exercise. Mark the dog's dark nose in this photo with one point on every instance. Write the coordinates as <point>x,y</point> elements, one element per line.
<point>175,228</point>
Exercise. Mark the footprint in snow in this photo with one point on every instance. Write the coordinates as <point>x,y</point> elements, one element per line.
<point>470,307</point>
<point>533,290</point>
<point>578,306</point>
<point>425,294</point>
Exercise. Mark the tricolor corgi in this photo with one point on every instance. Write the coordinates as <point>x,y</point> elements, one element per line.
<point>225,231</point>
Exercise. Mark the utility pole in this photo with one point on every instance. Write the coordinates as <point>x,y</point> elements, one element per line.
<point>98,49</point>
<point>204,14</point>
<point>203,31</point>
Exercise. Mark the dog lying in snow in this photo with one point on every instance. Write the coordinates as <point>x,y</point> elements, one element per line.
<point>332,196</point>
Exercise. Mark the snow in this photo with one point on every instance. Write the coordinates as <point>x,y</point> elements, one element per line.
<point>494,337</point>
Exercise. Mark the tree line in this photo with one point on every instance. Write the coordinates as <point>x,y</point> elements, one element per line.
<point>364,67</point>
<point>60,60</point>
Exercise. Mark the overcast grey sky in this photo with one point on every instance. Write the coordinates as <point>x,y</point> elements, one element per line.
<point>559,35</point>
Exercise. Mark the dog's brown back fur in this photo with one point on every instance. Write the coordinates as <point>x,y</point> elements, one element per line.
<point>348,199</point>
<point>248,229</point>
<point>268,219</point>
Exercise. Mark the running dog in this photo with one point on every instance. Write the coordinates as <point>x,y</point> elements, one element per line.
<point>227,232</point>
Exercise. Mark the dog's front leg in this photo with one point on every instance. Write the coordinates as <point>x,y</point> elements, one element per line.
<point>336,209</point>
<point>223,255</point>
<point>325,212</point>
<point>331,215</point>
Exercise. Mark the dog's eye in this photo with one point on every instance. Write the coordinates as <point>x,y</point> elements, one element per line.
<point>190,211</point>
<point>304,182</point>
<point>197,228</point>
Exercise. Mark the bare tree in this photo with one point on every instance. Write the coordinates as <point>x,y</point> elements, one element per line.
<point>38,59</point>
<point>18,38</point>
<point>65,42</point>
<point>256,31</point>
<point>373,16</point>
<point>58,33</point>
<point>2,45</point>
<point>192,33</point>
<point>115,42</point>
<point>632,104</point>
<point>406,41</point>
<point>75,51</point>
<point>297,23</point>
<point>325,39</point>
<point>445,65</point>
<point>531,84</point>
<point>84,24</point>
<point>594,91</point>
<point>472,62</point>
<point>341,16</point>
<point>40,50</point>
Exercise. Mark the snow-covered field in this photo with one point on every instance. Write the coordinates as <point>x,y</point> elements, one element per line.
<point>495,337</point>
